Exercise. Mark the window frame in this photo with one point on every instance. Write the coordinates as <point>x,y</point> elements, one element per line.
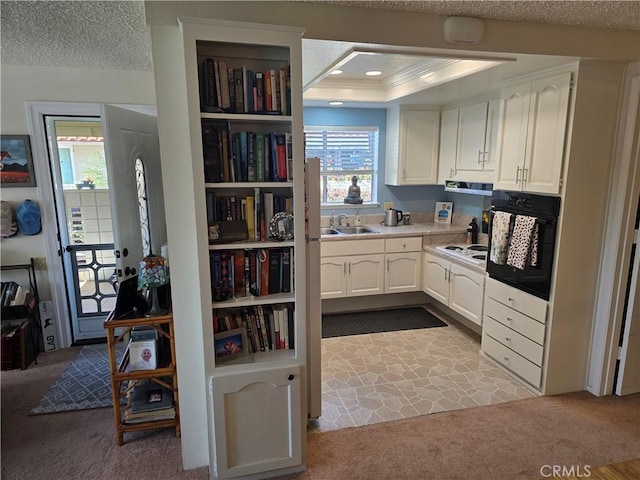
<point>373,171</point>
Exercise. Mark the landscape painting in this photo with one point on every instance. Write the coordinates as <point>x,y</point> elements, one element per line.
<point>16,164</point>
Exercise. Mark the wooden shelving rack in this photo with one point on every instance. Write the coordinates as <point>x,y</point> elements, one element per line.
<point>118,330</point>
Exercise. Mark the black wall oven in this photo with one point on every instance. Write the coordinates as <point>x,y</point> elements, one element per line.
<point>535,280</point>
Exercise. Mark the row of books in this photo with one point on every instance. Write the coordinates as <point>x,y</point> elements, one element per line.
<point>149,401</point>
<point>242,90</point>
<point>269,327</point>
<point>256,210</point>
<point>245,156</point>
<point>13,294</point>
<point>257,272</point>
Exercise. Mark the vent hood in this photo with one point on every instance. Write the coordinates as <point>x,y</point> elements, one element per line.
<point>485,189</point>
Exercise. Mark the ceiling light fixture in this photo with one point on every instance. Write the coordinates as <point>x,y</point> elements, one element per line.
<point>373,73</point>
<point>336,72</point>
<point>335,103</point>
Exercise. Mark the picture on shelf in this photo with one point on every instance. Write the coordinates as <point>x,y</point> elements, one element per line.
<point>443,212</point>
<point>143,355</point>
<point>231,345</point>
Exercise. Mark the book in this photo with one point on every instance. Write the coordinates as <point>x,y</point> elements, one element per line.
<point>282,91</point>
<point>148,396</point>
<point>259,85</point>
<point>264,271</point>
<point>263,327</point>
<point>289,150</point>
<point>239,289</point>
<point>142,355</point>
<point>275,268</point>
<point>224,86</point>
<point>212,152</point>
<point>281,157</point>
<point>251,157</point>
<point>238,90</point>
<point>216,73</point>
<point>259,152</point>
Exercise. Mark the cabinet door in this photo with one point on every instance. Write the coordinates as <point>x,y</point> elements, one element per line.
<point>466,292</point>
<point>546,133</point>
<point>491,138</point>
<point>435,277</point>
<point>365,275</point>
<point>471,132</point>
<point>448,145</point>
<point>333,277</point>
<point>258,423</point>
<point>403,272</point>
<point>418,147</point>
<point>512,136</point>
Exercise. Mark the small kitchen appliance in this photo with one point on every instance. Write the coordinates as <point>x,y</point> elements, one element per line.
<point>392,217</point>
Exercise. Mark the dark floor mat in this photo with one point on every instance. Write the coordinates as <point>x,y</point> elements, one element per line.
<point>376,321</point>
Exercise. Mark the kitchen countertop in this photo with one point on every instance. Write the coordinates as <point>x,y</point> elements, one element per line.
<point>470,265</point>
<point>413,230</point>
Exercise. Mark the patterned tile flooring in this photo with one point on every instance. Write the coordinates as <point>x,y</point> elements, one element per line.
<point>380,377</point>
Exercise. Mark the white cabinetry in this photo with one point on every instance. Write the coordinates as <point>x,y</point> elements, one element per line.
<point>258,406</point>
<point>251,409</point>
<point>351,268</point>
<point>468,141</point>
<point>513,332</point>
<point>453,285</point>
<point>412,146</point>
<point>531,140</point>
<point>402,257</point>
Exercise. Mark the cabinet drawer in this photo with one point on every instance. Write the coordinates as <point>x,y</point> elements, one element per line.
<point>398,245</point>
<point>516,342</point>
<point>511,360</point>
<point>523,302</point>
<point>351,247</point>
<point>515,320</point>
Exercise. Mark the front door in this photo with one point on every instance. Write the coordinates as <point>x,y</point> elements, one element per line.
<point>97,162</point>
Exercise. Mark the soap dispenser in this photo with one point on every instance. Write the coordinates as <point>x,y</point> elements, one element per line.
<point>472,232</point>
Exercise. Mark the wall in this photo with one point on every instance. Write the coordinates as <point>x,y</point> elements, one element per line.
<point>406,198</point>
<point>20,84</point>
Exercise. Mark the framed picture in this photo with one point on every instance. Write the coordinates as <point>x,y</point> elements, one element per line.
<point>142,355</point>
<point>443,212</point>
<point>16,164</point>
<point>231,345</point>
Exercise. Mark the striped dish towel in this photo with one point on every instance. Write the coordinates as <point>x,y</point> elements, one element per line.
<point>500,237</point>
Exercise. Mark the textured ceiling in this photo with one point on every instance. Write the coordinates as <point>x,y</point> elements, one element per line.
<point>114,35</point>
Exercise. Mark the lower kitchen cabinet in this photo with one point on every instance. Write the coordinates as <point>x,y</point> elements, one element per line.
<point>457,287</point>
<point>513,332</point>
<point>403,272</point>
<point>352,276</point>
<point>258,424</point>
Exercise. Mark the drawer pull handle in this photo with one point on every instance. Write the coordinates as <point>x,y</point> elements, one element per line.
<point>290,377</point>
<point>507,339</point>
<point>509,319</point>
<point>510,299</point>
<point>506,359</point>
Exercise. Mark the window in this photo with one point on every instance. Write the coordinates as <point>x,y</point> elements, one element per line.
<point>343,153</point>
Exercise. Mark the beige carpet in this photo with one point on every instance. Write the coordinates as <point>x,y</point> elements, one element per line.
<point>507,441</point>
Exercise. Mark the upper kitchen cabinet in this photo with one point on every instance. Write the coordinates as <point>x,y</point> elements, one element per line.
<point>533,122</point>
<point>468,141</point>
<point>412,146</point>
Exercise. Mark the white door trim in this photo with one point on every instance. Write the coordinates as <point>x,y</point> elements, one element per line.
<point>623,195</point>
<point>35,120</point>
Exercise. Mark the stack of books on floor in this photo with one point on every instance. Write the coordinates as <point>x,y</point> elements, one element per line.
<point>149,401</point>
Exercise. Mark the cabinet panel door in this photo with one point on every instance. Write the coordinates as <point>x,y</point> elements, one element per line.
<point>546,133</point>
<point>419,134</point>
<point>258,424</point>
<point>466,292</point>
<point>365,275</point>
<point>448,145</point>
<point>403,272</point>
<point>471,132</point>
<point>333,277</point>
<point>491,137</point>
<point>512,136</point>
<point>435,280</point>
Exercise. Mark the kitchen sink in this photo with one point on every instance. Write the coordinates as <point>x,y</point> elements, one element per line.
<point>354,230</point>
<point>328,231</point>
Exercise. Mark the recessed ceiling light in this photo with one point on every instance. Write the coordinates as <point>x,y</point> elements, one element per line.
<point>336,103</point>
<point>336,72</point>
<point>373,73</point>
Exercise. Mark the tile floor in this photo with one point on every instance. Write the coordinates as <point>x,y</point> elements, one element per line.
<point>380,377</point>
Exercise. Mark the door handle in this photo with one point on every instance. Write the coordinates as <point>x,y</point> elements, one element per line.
<point>525,174</point>
<point>518,175</point>
<point>480,155</point>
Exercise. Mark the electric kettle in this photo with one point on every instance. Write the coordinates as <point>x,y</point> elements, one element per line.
<point>392,217</point>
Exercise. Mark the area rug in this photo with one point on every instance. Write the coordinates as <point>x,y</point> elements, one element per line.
<point>84,384</point>
<point>377,321</point>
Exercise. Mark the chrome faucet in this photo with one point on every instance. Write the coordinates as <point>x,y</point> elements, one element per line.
<point>340,217</point>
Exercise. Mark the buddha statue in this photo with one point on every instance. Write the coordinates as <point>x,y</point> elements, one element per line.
<point>353,195</point>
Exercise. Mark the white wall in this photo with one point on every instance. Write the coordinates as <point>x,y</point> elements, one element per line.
<point>19,84</point>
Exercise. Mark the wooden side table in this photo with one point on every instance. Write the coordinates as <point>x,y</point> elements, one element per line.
<point>117,330</point>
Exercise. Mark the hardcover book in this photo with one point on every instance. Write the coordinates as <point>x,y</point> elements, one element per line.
<point>149,396</point>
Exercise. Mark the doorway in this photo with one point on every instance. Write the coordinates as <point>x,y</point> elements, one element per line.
<point>80,183</point>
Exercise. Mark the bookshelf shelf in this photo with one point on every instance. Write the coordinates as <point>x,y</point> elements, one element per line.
<point>252,300</point>
<point>247,118</point>
<point>119,330</point>
<point>241,185</point>
<point>249,245</point>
